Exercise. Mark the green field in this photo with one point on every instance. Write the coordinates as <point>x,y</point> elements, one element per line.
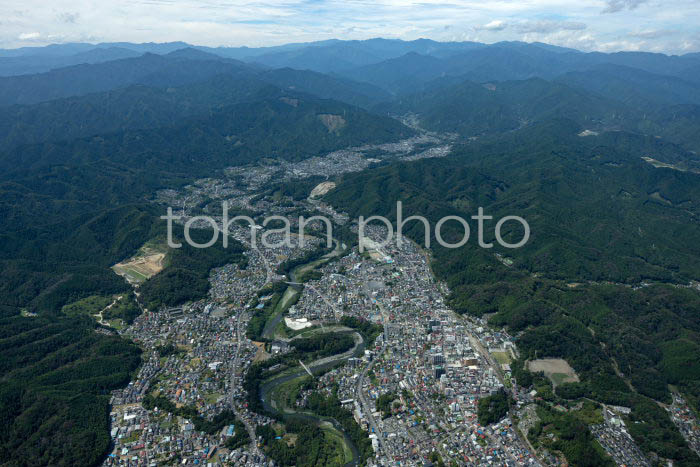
<point>87,306</point>
<point>559,378</point>
<point>502,357</point>
<point>335,437</point>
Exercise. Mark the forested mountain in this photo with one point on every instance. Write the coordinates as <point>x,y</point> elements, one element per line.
<point>278,124</point>
<point>28,64</point>
<point>384,62</point>
<point>597,210</point>
<point>512,61</point>
<point>676,123</point>
<point>597,102</point>
<point>129,108</point>
<point>69,49</point>
<point>142,106</point>
<point>635,87</point>
<point>29,60</point>
<point>56,374</point>
<point>405,74</point>
<point>148,69</point>
<point>326,87</point>
<point>335,55</point>
<point>51,186</point>
<point>473,109</point>
<point>598,152</point>
<point>186,70</point>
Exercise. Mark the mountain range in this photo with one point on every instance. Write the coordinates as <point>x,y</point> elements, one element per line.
<point>598,151</point>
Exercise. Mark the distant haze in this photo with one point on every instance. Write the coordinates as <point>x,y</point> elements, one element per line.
<point>603,25</point>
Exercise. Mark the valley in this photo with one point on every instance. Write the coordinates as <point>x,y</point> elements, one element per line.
<point>188,275</point>
<point>437,364</point>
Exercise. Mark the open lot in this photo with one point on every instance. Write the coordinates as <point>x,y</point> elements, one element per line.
<point>502,357</point>
<point>148,262</point>
<point>556,369</point>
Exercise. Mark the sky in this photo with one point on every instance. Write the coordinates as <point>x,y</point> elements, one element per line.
<point>671,26</point>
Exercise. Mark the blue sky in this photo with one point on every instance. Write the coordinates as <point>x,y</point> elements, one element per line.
<point>605,25</point>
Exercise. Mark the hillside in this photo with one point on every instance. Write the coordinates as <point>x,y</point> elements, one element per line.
<point>180,68</point>
<point>473,109</point>
<point>561,183</point>
<point>596,102</point>
<point>56,376</point>
<point>634,87</point>
<point>60,183</point>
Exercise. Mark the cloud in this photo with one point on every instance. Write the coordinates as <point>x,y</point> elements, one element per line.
<point>547,27</point>
<point>68,18</point>
<point>495,25</point>
<point>653,33</point>
<point>615,6</point>
<point>28,36</point>
<point>533,27</point>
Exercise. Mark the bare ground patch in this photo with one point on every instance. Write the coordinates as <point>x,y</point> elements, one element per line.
<point>556,369</point>
<point>148,262</point>
<point>321,189</point>
<point>332,122</point>
<point>260,354</point>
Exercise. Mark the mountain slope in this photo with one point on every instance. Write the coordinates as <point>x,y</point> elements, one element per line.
<point>182,68</point>
<point>335,56</point>
<point>56,185</point>
<point>23,65</point>
<point>325,86</point>
<point>560,183</point>
<point>404,74</point>
<point>509,61</point>
<point>634,87</point>
<point>129,108</point>
<point>56,376</point>
<point>285,125</point>
<point>472,109</point>
<point>148,69</point>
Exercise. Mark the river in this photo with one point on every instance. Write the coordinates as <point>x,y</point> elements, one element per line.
<point>267,389</point>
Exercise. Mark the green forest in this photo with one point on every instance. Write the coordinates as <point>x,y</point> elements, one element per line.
<point>493,408</point>
<point>312,445</point>
<point>55,381</point>
<point>186,274</point>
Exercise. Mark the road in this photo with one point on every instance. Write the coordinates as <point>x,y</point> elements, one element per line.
<point>234,381</point>
<point>476,343</point>
<point>360,396</point>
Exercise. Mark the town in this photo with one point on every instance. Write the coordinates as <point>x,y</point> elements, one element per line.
<point>414,388</point>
